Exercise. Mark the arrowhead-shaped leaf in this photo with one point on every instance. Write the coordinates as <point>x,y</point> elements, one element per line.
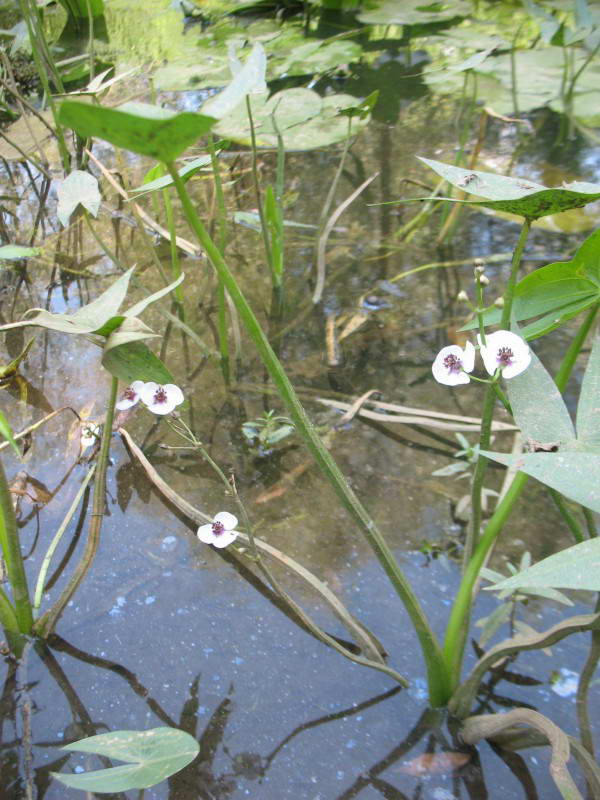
<point>514,195</point>
<point>247,78</point>
<point>151,757</point>
<point>78,188</point>
<point>142,128</point>
<point>134,361</point>
<point>577,567</point>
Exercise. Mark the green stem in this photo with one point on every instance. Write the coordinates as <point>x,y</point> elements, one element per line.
<point>509,292</point>
<point>570,520</point>
<point>175,264</point>
<point>221,301</point>
<point>438,686</point>
<point>46,623</point>
<point>8,616</point>
<point>590,522</point>
<point>479,473</point>
<point>11,550</point>
<point>261,213</point>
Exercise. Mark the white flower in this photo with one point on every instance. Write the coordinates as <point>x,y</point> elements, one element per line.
<point>130,396</point>
<point>452,364</point>
<point>221,532</point>
<point>90,433</point>
<point>506,351</point>
<point>161,399</point>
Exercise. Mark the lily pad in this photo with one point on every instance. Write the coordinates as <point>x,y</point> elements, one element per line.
<point>151,757</point>
<point>515,195</point>
<point>304,119</point>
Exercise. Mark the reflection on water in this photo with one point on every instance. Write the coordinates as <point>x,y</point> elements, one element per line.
<point>167,631</point>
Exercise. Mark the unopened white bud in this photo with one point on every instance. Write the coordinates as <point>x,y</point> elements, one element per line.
<point>499,302</point>
<point>462,297</point>
<point>483,280</point>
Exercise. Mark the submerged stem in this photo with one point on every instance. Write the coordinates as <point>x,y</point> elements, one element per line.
<point>45,624</point>
<point>438,686</point>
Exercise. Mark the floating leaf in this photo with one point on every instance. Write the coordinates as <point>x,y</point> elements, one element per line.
<point>78,188</point>
<point>304,119</point>
<point>12,252</point>
<point>151,757</point>
<point>576,567</point>
<point>515,195</point>
<point>140,127</point>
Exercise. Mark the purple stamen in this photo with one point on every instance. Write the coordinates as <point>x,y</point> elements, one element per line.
<point>453,363</point>
<point>218,528</point>
<point>129,394</point>
<point>505,356</point>
<point>160,395</point>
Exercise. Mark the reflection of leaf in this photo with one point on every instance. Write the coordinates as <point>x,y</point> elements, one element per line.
<point>414,12</point>
<point>152,756</point>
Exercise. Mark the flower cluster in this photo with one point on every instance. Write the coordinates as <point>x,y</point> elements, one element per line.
<point>503,350</point>
<point>158,399</point>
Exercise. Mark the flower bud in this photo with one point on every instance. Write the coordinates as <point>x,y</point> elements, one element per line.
<point>462,297</point>
<point>484,280</point>
<point>499,302</point>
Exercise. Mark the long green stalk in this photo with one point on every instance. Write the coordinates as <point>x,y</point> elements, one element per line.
<point>458,624</point>
<point>8,616</point>
<point>46,623</point>
<point>222,239</point>
<point>438,685</point>
<point>509,291</point>
<point>11,550</point>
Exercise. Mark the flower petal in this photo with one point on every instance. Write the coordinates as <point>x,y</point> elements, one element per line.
<point>147,392</point>
<point>130,396</point>
<point>174,393</point>
<point>164,407</point>
<point>205,534</point>
<point>494,342</point>
<point>468,357</point>
<point>519,366</point>
<point>225,538</point>
<point>227,520</point>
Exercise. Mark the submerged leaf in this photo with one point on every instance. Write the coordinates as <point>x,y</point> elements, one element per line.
<point>78,188</point>
<point>152,756</point>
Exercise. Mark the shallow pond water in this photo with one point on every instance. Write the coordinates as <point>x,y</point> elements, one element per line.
<point>167,631</point>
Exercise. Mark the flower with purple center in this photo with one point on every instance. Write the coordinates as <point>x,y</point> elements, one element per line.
<point>130,396</point>
<point>161,399</point>
<point>505,351</point>
<point>452,364</point>
<point>221,531</point>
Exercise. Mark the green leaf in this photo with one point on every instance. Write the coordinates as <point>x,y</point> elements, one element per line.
<point>6,432</point>
<point>538,407</point>
<point>588,407</point>
<point>142,128</point>
<point>151,757</point>
<point>134,361</point>
<point>441,75</point>
<point>559,291</point>
<point>414,12</point>
<point>577,567</point>
<point>165,181</point>
<point>78,188</point>
<point>571,472</point>
<point>12,367</point>
<point>130,329</point>
<point>12,252</point>
<point>514,195</point>
<point>247,79</point>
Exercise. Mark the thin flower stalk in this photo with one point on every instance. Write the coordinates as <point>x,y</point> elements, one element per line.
<point>436,672</point>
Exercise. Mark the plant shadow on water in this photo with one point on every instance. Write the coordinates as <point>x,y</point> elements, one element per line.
<point>167,631</point>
